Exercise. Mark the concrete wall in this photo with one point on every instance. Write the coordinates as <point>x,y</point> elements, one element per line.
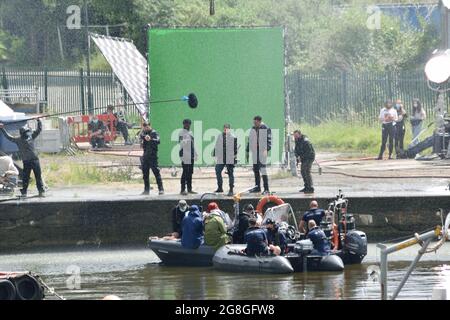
<point>26,225</point>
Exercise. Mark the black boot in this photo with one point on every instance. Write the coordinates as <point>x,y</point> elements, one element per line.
<point>219,190</point>
<point>266,184</point>
<point>256,189</point>
<point>231,192</point>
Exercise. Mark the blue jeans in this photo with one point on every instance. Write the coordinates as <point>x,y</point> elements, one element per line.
<point>416,130</point>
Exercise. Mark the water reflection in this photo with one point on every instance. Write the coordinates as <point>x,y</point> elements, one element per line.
<point>133,274</point>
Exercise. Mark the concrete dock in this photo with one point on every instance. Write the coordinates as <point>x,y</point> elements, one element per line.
<point>390,199</point>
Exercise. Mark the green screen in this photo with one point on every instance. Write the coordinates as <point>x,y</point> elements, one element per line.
<point>236,73</point>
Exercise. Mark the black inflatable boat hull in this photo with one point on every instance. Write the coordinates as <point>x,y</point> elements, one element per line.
<point>172,253</point>
<point>226,259</point>
<point>330,263</point>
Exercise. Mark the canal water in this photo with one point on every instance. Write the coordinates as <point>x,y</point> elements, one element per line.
<point>136,274</point>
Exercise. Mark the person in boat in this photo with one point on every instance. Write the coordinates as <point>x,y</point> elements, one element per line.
<point>178,214</point>
<point>243,224</point>
<point>215,230</point>
<point>275,237</point>
<point>256,240</point>
<point>29,155</point>
<point>192,236</point>
<point>314,213</point>
<point>319,239</point>
<point>213,207</point>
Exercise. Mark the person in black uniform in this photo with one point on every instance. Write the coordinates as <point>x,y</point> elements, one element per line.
<point>225,152</point>
<point>28,153</point>
<point>314,213</point>
<point>188,157</point>
<point>275,237</point>
<point>150,141</point>
<point>120,124</point>
<point>319,239</point>
<point>243,224</point>
<point>259,144</point>
<point>305,153</point>
<point>400,128</point>
<point>97,131</point>
<point>256,240</point>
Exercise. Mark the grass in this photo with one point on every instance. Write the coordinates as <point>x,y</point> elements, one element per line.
<point>72,174</point>
<point>354,138</point>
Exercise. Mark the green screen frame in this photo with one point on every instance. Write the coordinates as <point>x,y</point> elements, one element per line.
<point>237,73</point>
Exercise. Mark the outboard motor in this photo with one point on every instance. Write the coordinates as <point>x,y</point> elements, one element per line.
<point>304,247</point>
<point>355,247</point>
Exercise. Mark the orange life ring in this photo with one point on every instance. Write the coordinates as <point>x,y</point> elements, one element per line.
<point>268,199</point>
<point>335,240</point>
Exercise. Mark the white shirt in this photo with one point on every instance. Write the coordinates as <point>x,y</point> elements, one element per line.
<point>386,113</point>
<point>7,167</point>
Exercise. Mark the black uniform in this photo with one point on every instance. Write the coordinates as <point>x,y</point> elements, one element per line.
<point>400,130</point>
<point>242,227</point>
<point>97,142</point>
<point>28,153</point>
<point>177,219</point>
<point>225,151</point>
<point>260,144</point>
<point>150,159</point>
<point>305,151</point>
<point>188,156</point>
<point>121,126</point>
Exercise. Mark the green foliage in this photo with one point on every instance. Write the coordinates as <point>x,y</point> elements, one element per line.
<point>321,35</point>
<point>355,138</point>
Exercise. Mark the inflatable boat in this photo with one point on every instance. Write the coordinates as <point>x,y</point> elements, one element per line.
<point>172,253</point>
<point>230,258</point>
<point>20,286</point>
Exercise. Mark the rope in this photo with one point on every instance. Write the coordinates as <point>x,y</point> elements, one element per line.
<point>49,289</point>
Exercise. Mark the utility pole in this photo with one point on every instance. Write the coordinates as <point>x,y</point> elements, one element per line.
<point>88,60</point>
<point>445,22</point>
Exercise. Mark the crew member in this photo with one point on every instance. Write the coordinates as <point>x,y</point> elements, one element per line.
<point>243,224</point>
<point>192,236</point>
<point>97,130</point>
<point>150,141</point>
<point>256,240</point>
<point>188,157</point>
<point>119,124</point>
<point>215,230</point>
<point>260,144</point>
<point>314,213</point>
<point>319,239</point>
<point>305,153</point>
<point>400,128</point>
<point>417,118</point>
<point>178,214</point>
<point>213,207</point>
<point>28,153</point>
<point>388,117</point>
<point>225,152</point>
<point>275,237</point>
<point>8,171</point>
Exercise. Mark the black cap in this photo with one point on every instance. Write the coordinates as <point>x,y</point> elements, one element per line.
<point>187,121</point>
